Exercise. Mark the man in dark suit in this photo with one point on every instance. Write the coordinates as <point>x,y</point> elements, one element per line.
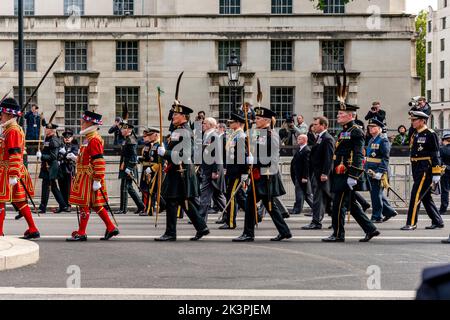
<point>300,174</point>
<point>321,167</point>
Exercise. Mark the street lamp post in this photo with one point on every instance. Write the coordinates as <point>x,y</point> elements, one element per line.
<point>234,71</point>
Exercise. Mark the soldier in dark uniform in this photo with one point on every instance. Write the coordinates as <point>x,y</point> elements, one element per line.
<point>50,169</point>
<point>67,153</point>
<point>150,167</point>
<point>268,184</point>
<point>445,180</point>
<point>348,176</point>
<point>377,166</point>
<point>128,170</point>
<point>426,170</point>
<point>180,186</point>
<point>236,153</point>
<point>435,283</point>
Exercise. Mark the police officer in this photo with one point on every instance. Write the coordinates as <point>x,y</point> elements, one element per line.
<point>128,170</point>
<point>236,153</point>
<point>445,180</point>
<point>426,170</point>
<point>67,152</point>
<point>267,181</point>
<point>180,186</point>
<point>377,165</point>
<point>50,169</point>
<point>348,176</point>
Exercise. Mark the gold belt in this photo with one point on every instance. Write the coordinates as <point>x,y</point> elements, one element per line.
<point>85,169</point>
<point>421,159</point>
<point>373,160</point>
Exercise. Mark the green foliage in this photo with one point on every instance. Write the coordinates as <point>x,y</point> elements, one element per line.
<point>320,4</point>
<point>421,29</point>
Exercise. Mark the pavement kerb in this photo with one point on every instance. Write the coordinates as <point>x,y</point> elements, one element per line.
<point>16,253</point>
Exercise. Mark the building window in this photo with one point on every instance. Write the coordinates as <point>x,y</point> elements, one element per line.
<point>442,44</point>
<point>442,95</point>
<point>130,97</point>
<point>123,7</point>
<point>444,23</point>
<point>281,55</point>
<point>29,55</point>
<point>230,6</point>
<point>429,26</point>
<point>75,102</point>
<point>445,3</point>
<point>282,102</point>
<point>331,107</point>
<point>429,71</point>
<point>28,7</point>
<point>281,6</point>
<point>74,7</point>
<point>27,91</point>
<point>333,6</point>
<point>429,47</point>
<point>76,55</point>
<point>226,102</point>
<point>127,56</point>
<point>442,69</point>
<point>333,55</point>
<point>429,95</point>
<point>225,50</point>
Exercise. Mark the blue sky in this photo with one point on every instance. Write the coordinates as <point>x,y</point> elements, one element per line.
<point>414,6</point>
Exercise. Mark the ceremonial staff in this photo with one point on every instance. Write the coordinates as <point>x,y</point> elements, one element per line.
<point>39,148</point>
<point>6,95</point>
<point>160,160</point>
<point>3,65</point>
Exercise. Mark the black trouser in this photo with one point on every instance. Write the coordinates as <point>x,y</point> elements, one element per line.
<point>421,183</point>
<point>65,183</point>
<point>238,200</point>
<point>126,186</point>
<point>360,199</point>
<point>275,214</point>
<point>207,192</point>
<point>341,203</point>
<point>192,212</point>
<point>46,185</point>
<point>445,188</point>
<point>321,191</point>
<point>301,195</point>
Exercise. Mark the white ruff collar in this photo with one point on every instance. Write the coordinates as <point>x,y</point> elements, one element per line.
<point>7,123</point>
<point>88,130</point>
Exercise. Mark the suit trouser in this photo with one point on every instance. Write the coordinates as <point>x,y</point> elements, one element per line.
<point>238,200</point>
<point>341,202</point>
<point>275,214</point>
<point>46,186</point>
<point>64,185</point>
<point>126,186</point>
<point>192,213</point>
<point>207,191</point>
<point>301,196</point>
<point>320,199</point>
<point>380,204</point>
<point>421,183</point>
<point>360,199</point>
<point>445,188</point>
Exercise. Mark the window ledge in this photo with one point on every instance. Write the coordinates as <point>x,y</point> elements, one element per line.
<point>76,73</point>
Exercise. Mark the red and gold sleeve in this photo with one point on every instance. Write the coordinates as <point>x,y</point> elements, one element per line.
<point>13,146</point>
<point>98,162</point>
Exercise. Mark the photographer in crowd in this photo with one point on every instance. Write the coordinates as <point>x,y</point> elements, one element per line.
<point>288,136</point>
<point>376,113</point>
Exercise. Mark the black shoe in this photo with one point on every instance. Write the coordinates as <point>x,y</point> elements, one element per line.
<point>200,234</point>
<point>408,228</point>
<point>77,238</point>
<point>120,212</point>
<point>280,237</point>
<point>312,226</point>
<point>226,227</point>
<point>292,211</point>
<point>244,238</point>
<point>330,227</point>
<point>41,211</point>
<point>285,216</point>
<point>308,214</point>
<point>165,237</point>
<point>446,241</point>
<point>110,234</point>
<point>389,217</point>
<point>29,236</point>
<point>434,226</point>
<point>366,207</point>
<point>221,221</point>
<point>139,211</point>
<point>333,239</point>
<point>18,217</point>
<point>59,210</point>
<point>144,214</point>
<point>370,235</point>
<point>377,220</point>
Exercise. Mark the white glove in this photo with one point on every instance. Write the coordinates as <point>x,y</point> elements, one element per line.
<point>250,159</point>
<point>96,185</point>
<point>148,170</point>
<point>128,171</point>
<point>62,151</point>
<point>244,177</point>
<point>72,157</point>
<point>161,151</point>
<point>39,155</point>
<point>13,181</point>
<point>351,183</point>
<point>378,176</point>
<point>436,179</point>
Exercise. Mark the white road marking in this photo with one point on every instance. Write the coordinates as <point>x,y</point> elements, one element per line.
<point>208,293</point>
